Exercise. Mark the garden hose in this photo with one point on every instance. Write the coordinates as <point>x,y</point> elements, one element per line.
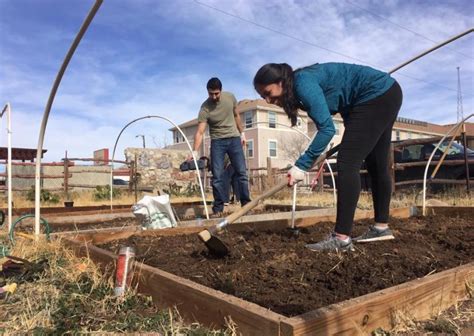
<point>2,217</point>
<point>4,251</point>
<point>42,220</point>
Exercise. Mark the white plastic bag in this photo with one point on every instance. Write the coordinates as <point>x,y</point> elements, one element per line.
<point>154,212</point>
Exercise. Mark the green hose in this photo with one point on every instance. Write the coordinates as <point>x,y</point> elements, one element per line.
<point>42,220</point>
<point>4,251</point>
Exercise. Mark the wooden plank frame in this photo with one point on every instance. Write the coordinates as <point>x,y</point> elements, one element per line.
<point>418,299</point>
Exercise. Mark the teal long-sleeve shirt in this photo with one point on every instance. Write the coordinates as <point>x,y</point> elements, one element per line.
<point>327,88</point>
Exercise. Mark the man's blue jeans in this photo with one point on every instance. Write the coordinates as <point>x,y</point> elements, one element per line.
<point>230,179</point>
<point>233,148</point>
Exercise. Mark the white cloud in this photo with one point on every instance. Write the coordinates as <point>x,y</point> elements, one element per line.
<point>146,57</point>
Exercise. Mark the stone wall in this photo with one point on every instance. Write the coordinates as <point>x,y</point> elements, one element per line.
<point>84,175</point>
<point>160,168</point>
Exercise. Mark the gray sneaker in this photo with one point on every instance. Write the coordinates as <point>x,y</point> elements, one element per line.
<point>374,234</point>
<point>332,243</point>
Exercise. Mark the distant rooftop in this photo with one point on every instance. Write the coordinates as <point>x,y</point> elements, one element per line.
<point>23,154</point>
<point>401,122</point>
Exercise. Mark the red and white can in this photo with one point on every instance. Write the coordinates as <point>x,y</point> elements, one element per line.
<point>124,269</point>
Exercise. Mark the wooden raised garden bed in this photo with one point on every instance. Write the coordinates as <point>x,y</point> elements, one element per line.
<point>443,269</point>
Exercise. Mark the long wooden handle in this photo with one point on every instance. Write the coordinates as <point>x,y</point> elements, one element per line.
<point>252,204</point>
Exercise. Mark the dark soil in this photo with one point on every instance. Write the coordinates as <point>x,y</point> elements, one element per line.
<point>276,271</point>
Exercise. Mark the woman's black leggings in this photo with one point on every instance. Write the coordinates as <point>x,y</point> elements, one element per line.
<point>367,135</point>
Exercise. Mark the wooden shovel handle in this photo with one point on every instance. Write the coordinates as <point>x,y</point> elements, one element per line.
<point>252,204</point>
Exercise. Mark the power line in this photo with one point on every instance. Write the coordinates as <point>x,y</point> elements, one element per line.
<point>405,28</point>
<point>313,44</point>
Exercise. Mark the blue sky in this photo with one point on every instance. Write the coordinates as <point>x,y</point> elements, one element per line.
<point>143,57</point>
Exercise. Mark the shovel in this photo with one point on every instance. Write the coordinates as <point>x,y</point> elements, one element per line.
<point>216,246</point>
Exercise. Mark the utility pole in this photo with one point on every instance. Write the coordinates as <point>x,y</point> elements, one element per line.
<point>460,111</point>
<point>143,139</point>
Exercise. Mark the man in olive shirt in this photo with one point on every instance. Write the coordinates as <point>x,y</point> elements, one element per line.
<point>219,111</point>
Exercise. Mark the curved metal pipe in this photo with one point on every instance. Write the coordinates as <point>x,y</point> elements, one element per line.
<point>455,127</point>
<point>49,104</point>
<point>187,143</point>
<point>432,49</point>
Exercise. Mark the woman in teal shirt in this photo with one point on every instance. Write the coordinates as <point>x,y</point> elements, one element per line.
<point>368,101</point>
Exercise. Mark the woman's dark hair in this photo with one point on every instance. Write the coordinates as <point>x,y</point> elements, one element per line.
<point>214,84</point>
<point>273,73</point>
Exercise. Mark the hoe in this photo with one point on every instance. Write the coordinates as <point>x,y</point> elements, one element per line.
<point>215,245</point>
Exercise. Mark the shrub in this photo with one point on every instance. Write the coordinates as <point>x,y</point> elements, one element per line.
<point>103,192</point>
<point>45,196</point>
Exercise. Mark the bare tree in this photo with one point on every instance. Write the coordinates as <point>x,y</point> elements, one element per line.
<point>292,146</point>
<point>165,142</point>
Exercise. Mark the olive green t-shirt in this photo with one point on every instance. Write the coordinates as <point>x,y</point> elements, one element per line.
<point>220,116</point>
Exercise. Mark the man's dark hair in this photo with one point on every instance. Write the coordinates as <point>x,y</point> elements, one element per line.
<point>214,84</point>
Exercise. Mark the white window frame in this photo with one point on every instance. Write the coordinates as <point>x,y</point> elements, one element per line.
<point>273,113</point>
<point>251,119</point>
<point>253,149</point>
<point>398,135</point>
<point>276,148</point>
<point>299,122</point>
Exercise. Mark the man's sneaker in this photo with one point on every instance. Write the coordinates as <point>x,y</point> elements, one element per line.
<point>332,243</point>
<point>374,234</point>
<point>217,214</point>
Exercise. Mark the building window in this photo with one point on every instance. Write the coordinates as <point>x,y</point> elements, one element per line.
<point>272,148</point>
<point>250,148</point>
<point>299,122</point>
<point>248,119</point>
<point>178,138</point>
<point>272,119</point>
<point>397,135</point>
<point>409,135</point>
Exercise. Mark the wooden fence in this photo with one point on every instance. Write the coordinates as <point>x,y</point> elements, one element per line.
<point>265,177</point>
<point>65,175</point>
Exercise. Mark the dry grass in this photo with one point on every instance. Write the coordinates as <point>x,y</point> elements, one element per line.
<point>86,197</point>
<point>70,295</point>
<point>449,322</point>
<point>409,197</point>
<point>399,199</point>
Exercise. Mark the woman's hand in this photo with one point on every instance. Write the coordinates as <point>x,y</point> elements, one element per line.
<point>295,175</point>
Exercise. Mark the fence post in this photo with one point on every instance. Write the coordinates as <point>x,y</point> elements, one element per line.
<point>391,164</point>
<point>136,178</point>
<point>66,176</point>
<point>464,141</point>
<point>321,178</point>
<point>269,171</point>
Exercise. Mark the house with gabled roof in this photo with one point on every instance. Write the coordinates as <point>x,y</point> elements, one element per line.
<point>271,139</point>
